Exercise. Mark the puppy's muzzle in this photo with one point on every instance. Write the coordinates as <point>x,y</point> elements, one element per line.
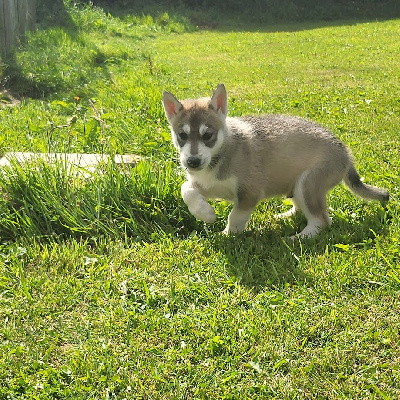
<point>193,162</point>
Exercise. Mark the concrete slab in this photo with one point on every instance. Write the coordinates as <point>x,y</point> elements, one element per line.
<point>86,161</point>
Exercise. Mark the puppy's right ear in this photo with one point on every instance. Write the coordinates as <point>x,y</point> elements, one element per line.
<point>219,101</point>
<point>171,105</point>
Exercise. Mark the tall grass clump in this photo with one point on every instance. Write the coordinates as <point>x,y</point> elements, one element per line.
<point>54,200</point>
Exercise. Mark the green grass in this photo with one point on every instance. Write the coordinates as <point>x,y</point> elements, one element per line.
<point>110,289</point>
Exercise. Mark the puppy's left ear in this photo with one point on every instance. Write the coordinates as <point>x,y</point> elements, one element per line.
<point>171,105</point>
<point>219,100</point>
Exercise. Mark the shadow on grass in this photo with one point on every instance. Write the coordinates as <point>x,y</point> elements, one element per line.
<point>284,15</point>
<point>279,16</point>
<point>268,258</point>
<point>45,75</point>
<point>260,260</point>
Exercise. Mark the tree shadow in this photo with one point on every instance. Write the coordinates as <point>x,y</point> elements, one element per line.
<point>21,83</point>
<point>52,14</point>
<point>55,13</point>
<point>284,15</point>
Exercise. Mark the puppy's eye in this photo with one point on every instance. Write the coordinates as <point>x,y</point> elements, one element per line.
<point>208,135</point>
<point>182,136</point>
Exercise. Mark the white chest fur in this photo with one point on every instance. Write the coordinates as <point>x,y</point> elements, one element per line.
<point>211,187</point>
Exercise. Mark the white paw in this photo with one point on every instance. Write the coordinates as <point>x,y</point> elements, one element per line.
<point>293,238</point>
<point>237,221</point>
<point>307,233</point>
<point>231,230</point>
<point>226,231</point>
<point>204,212</point>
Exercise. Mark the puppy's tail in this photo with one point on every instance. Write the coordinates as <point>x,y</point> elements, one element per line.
<point>353,181</point>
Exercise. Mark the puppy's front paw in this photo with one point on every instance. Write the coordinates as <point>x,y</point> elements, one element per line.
<point>229,230</point>
<point>226,231</point>
<point>204,212</point>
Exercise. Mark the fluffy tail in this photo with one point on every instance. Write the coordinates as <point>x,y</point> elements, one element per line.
<point>353,181</point>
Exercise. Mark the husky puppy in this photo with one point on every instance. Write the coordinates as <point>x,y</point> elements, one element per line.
<point>249,158</point>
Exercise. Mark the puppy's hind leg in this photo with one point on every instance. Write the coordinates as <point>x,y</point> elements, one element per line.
<point>310,197</point>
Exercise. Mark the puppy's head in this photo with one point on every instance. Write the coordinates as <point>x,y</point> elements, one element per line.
<point>197,127</point>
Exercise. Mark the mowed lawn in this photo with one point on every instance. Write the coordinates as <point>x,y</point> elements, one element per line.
<point>109,289</point>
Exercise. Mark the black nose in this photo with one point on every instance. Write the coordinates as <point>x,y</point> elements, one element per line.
<point>193,162</point>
